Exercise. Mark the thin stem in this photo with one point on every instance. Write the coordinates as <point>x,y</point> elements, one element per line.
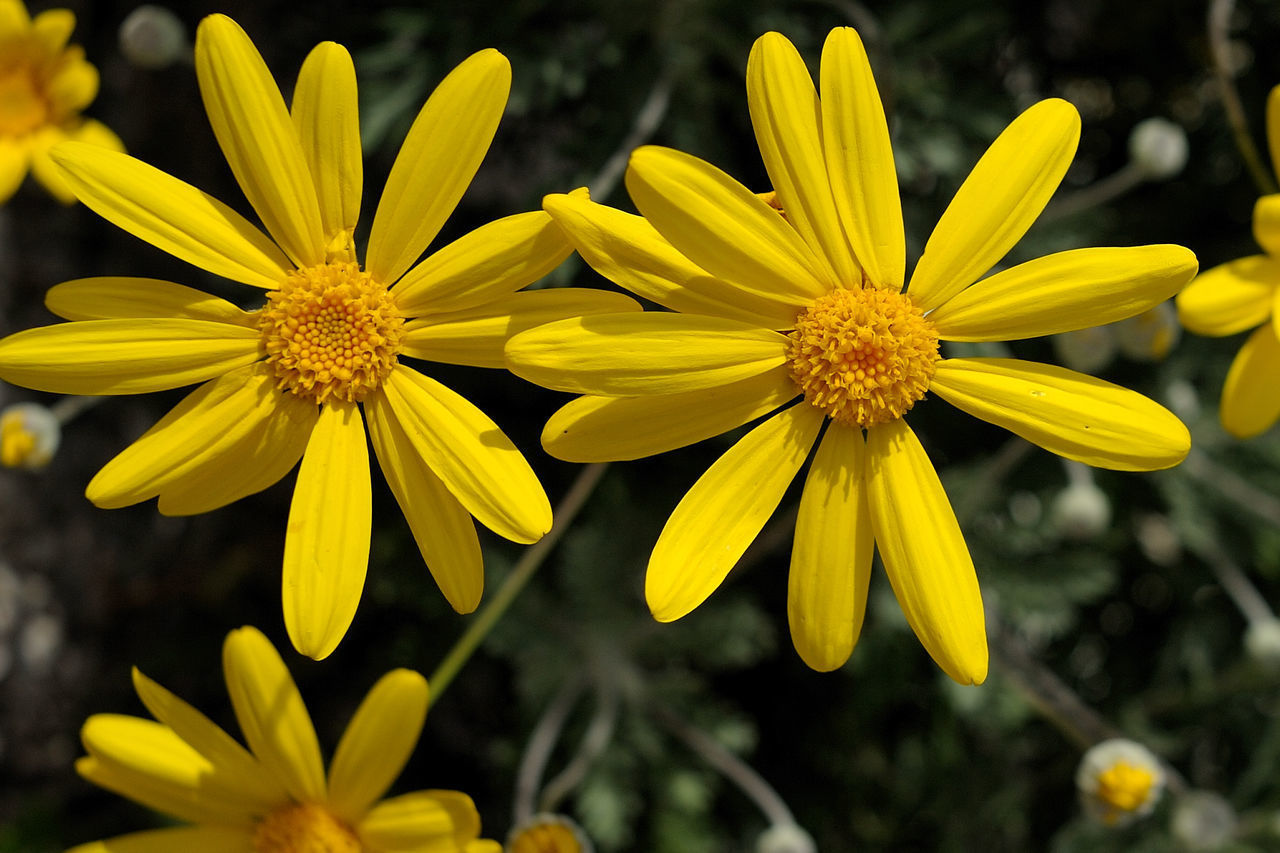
<point>529,562</point>
<point>647,120</point>
<point>67,408</point>
<point>542,740</point>
<point>597,736</point>
<point>1098,193</point>
<point>1231,486</point>
<point>1232,579</point>
<point>1219,22</point>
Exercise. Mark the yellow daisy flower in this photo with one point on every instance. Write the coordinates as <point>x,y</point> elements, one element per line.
<point>1240,295</point>
<point>274,797</point>
<point>44,84</point>
<point>289,380</point>
<point>770,308</point>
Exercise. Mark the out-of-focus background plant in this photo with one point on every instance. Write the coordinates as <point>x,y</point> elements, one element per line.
<point>1119,604</point>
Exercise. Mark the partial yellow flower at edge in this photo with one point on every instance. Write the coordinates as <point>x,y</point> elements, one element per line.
<point>324,355</point>
<point>44,84</point>
<point>768,308</point>
<point>274,796</point>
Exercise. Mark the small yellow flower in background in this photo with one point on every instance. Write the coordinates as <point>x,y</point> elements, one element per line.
<point>289,381</point>
<point>1119,781</point>
<point>548,833</point>
<point>29,436</point>
<point>766,308</point>
<point>1241,295</point>
<point>275,796</point>
<point>44,84</point>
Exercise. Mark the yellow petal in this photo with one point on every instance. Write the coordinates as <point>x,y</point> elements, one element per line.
<point>121,298</point>
<point>1250,404</point>
<point>999,200</point>
<point>859,159</point>
<point>124,356</point>
<point>439,157</point>
<point>73,85</point>
<point>831,558</point>
<point>924,553</point>
<point>723,227</point>
<point>605,429</point>
<point>272,715</point>
<point>645,353</point>
<point>171,215</point>
<point>188,839</point>
<point>490,262</point>
<point>52,28</point>
<point>1266,223</point>
<point>476,336</point>
<point>233,432</point>
<point>786,116</point>
<point>14,20</point>
<point>52,176</point>
<point>628,251</point>
<point>377,743</point>
<point>15,159</point>
<point>724,511</point>
<point>442,527</point>
<point>96,133</point>
<point>326,115</point>
<point>326,551</point>
<point>474,459</point>
<point>253,128</point>
<point>1063,292</point>
<point>416,821</point>
<point>1065,412</point>
<point>220,749</point>
<point>1230,297</point>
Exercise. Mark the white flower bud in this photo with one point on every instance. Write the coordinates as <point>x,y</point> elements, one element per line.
<point>1158,147</point>
<point>1081,511</point>
<point>29,436</point>
<point>1086,350</point>
<point>1150,335</point>
<point>39,642</point>
<point>1119,781</point>
<point>1202,820</point>
<point>785,838</point>
<point>153,37</point>
<point>1262,642</point>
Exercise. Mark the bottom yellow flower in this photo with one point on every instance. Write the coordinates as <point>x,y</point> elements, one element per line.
<point>274,797</point>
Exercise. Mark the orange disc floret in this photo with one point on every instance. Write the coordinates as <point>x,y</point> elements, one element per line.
<point>303,828</point>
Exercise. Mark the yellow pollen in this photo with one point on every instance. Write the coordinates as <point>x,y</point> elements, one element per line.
<point>1124,786</point>
<point>304,828</point>
<point>331,331</point>
<point>864,356</point>
<point>22,105</point>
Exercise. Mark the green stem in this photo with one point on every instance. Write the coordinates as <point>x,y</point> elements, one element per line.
<point>520,575</point>
<point>1219,48</point>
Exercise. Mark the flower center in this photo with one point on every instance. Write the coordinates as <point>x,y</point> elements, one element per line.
<point>864,356</point>
<point>1124,786</point>
<point>22,107</point>
<point>303,828</point>
<point>331,330</point>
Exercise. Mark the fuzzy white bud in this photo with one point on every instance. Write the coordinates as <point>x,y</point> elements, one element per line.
<point>1086,350</point>
<point>1150,335</point>
<point>1081,511</point>
<point>1158,147</point>
<point>1262,642</point>
<point>153,37</point>
<point>1119,781</point>
<point>785,838</point>
<point>1202,820</point>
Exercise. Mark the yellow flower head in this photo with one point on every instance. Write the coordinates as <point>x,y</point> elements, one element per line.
<point>1240,295</point>
<point>1119,781</point>
<point>324,352</point>
<point>44,84</point>
<point>29,436</point>
<point>275,796</point>
<point>547,833</point>
<point>802,292</point>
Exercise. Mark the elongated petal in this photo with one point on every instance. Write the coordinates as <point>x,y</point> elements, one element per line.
<point>442,527</point>
<point>722,226</point>
<point>831,558</point>
<point>416,821</point>
<point>1064,292</point>
<point>1250,404</point>
<point>1230,297</point>
<point>377,743</point>
<point>124,356</point>
<point>1065,412</point>
<point>478,463</point>
<point>630,252</point>
<point>489,263</point>
<point>724,511</point>
<point>208,739</point>
<point>476,336</point>
<point>639,354</point>
<point>605,429</point>
<point>439,158</point>
<point>15,159</point>
<point>787,119</point>
<point>998,202</point>
<point>924,553</point>
<point>171,215</point>
<point>272,715</point>
<point>1273,127</point>
<point>326,551</point>
<point>188,839</point>
<point>1266,223</point>
<point>327,119</point>
<point>120,298</point>
<point>253,128</point>
<point>859,157</point>
<point>233,431</point>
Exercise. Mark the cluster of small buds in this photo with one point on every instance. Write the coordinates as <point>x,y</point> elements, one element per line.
<point>1119,781</point>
